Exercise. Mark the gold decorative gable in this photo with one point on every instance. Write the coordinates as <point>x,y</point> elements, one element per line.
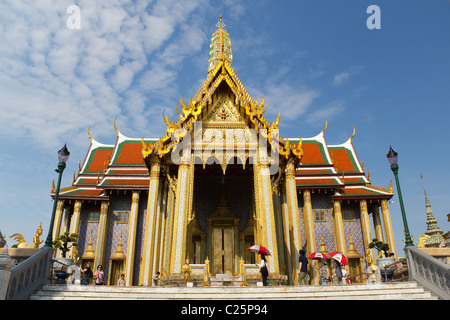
<point>223,112</point>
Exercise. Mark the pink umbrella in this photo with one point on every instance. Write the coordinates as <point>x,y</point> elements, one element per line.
<point>259,250</point>
<point>339,256</point>
<point>318,256</point>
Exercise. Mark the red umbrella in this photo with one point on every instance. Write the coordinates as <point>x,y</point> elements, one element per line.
<point>318,256</point>
<point>339,256</point>
<point>259,250</point>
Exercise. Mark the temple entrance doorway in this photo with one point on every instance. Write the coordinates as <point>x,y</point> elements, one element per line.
<point>223,210</point>
<point>222,249</point>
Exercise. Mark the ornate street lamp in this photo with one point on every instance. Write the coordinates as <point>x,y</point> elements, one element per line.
<point>392,157</point>
<point>63,156</point>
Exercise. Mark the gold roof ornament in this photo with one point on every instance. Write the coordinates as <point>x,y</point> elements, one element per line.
<point>115,127</point>
<point>326,126</point>
<point>89,135</point>
<point>220,48</point>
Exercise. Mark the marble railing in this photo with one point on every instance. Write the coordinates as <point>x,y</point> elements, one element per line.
<point>30,275</point>
<point>429,272</point>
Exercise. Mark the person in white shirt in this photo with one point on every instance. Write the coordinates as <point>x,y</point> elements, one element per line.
<point>264,269</point>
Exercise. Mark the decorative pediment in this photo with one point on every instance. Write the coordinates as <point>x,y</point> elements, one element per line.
<point>223,112</point>
<point>221,101</point>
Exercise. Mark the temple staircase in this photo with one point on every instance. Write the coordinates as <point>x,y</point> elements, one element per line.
<point>409,290</point>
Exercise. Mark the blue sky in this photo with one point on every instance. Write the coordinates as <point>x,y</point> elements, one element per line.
<point>311,60</point>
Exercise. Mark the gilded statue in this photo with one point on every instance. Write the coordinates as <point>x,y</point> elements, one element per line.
<point>186,270</point>
<point>372,268</point>
<point>36,239</point>
<point>423,241</point>
<point>369,258</point>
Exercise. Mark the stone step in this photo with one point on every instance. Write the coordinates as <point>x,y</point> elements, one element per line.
<point>398,291</point>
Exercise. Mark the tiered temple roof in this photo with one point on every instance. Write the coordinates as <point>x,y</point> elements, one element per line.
<point>121,167</point>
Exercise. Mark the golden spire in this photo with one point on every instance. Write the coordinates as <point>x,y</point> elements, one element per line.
<point>433,231</point>
<point>220,48</point>
<point>119,254</point>
<point>89,253</point>
<point>220,24</point>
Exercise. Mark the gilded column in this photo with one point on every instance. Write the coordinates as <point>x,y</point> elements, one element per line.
<point>75,220</point>
<point>377,223</point>
<point>276,196</point>
<point>339,227</point>
<point>66,221</point>
<point>102,234</point>
<point>169,224</point>
<point>162,240</point>
<point>367,234</point>
<point>178,254</point>
<point>267,215</point>
<point>295,240</point>
<point>158,230</point>
<point>58,218</point>
<point>259,237</point>
<point>388,232</point>
<point>290,268</point>
<point>150,224</point>
<point>309,232</point>
<point>131,243</point>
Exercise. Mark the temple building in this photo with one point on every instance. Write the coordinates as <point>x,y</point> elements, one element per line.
<point>220,179</point>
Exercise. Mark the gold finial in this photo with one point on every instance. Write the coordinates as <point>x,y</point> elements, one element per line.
<point>390,187</point>
<point>326,126</point>
<point>73,179</point>
<point>354,131</point>
<point>115,128</point>
<point>220,24</point>
<point>89,136</point>
<point>53,187</point>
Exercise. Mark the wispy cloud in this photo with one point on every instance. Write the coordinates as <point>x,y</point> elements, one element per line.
<point>328,112</point>
<point>342,77</point>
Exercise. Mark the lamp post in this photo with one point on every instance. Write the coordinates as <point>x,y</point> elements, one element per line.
<point>63,156</point>
<point>392,157</point>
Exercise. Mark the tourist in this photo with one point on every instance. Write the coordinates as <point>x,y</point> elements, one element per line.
<point>264,269</point>
<point>337,272</point>
<point>303,268</point>
<point>344,274</point>
<point>87,274</point>
<point>324,274</point>
<point>121,281</point>
<point>99,276</point>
